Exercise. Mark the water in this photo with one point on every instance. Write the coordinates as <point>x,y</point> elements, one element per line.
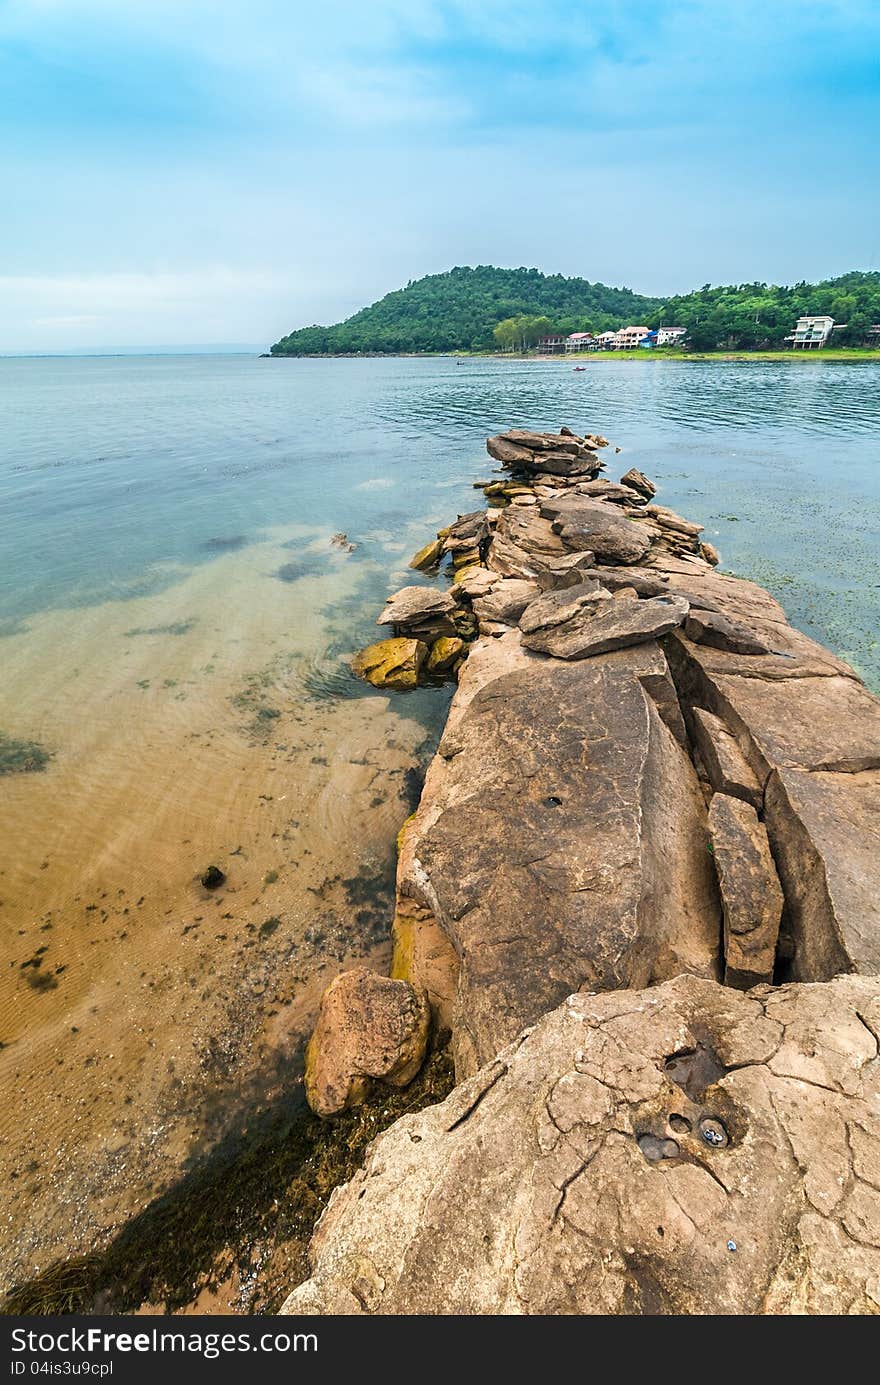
<point>118,475</point>
<point>174,626</point>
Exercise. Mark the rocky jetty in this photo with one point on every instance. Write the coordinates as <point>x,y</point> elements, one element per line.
<point>640,896</point>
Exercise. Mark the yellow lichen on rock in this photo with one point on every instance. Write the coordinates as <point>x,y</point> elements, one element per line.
<point>444,654</point>
<point>394,663</point>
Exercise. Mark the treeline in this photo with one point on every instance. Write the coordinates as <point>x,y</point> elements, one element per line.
<point>760,316</point>
<point>483,309</point>
<point>459,310</point>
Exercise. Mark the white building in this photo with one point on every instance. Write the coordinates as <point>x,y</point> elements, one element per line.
<point>812,332</point>
<point>579,341</point>
<point>605,341</point>
<point>665,335</point>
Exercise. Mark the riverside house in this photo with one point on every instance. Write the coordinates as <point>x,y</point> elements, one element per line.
<point>551,343</point>
<point>580,341</point>
<point>812,333</point>
<point>629,337</point>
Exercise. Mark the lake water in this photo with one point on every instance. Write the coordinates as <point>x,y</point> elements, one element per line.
<point>174,623</point>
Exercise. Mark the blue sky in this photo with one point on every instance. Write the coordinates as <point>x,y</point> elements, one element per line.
<point>178,171</point>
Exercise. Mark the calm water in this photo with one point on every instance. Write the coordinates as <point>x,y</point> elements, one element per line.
<point>174,626</point>
<point>118,476</point>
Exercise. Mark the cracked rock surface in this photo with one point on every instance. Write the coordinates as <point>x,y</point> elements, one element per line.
<point>684,1149</point>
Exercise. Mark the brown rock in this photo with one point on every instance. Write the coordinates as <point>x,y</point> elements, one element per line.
<point>506,601</point>
<point>369,1027</point>
<point>710,553</point>
<point>639,482</point>
<point>508,453</point>
<point>825,833</point>
<point>605,624</point>
<point>391,663</point>
<point>605,880</point>
<point>559,605</point>
<point>589,524</point>
<point>751,895</point>
<point>720,632</point>
<point>726,766</point>
<point>412,606</point>
<point>549,1158</point>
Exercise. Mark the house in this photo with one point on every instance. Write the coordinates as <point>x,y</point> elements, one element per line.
<point>669,335</point>
<point>605,341</point>
<point>812,332</point>
<point>579,341</point>
<point>551,343</point>
<point>628,338</point>
<point>649,341</point>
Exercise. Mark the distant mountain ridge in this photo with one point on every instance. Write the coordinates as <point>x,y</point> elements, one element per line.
<point>458,311</point>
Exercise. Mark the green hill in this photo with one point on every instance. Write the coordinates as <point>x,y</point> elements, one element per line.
<point>755,316</point>
<point>458,310</point>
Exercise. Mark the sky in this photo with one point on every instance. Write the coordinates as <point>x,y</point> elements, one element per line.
<point>221,171</point>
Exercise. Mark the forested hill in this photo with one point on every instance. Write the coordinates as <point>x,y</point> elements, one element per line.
<point>754,316</point>
<point>458,311</point>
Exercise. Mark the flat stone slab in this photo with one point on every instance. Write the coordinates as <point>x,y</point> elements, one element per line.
<point>751,896</point>
<point>415,606</point>
<point>607,623</point>
<point>591,1170</point>
<point>720,632</point>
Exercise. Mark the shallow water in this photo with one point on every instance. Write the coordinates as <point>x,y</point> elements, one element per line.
<point>174,621</point>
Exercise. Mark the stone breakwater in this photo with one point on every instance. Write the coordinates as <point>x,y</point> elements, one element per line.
<point>640,895</point>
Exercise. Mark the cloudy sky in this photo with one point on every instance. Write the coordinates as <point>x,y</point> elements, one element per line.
<point>195,171</point>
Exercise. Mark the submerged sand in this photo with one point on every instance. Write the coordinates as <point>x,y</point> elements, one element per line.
<point>138,1009</point>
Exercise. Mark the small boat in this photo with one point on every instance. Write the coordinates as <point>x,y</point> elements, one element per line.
<point>580,367</point>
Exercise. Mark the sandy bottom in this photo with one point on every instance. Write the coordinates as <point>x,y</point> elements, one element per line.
<point>136,1007</point>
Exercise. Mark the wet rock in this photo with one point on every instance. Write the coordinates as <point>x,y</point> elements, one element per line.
<point>720,632</point>
<point>710,553</point>
<point>589,524</point>
<point>751,895</point>
<point>603,624</point>
<point>427,557</point>
<point>444,653</point>
<point>508,453</point>
<point>638,481</point>
<point>506,601</point>
<point>370,1028</point>
<point>727,769</point>
<point>560,840</point>
<point>393,663</point>
<point>415,606</point>
<point>213,878</point>
<point>557,1209</point>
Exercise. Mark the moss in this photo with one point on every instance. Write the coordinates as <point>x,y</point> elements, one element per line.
<point>249,1207</point>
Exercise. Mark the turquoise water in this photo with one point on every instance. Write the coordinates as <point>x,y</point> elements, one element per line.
<point>118,474</point>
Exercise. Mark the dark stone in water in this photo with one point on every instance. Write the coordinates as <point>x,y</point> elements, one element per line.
<point>213,878</point>
<point>22,757</point>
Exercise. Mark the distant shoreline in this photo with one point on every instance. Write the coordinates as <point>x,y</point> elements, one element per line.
<point>843,353</point>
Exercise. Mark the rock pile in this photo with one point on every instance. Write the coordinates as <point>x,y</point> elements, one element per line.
<point>646,774</point>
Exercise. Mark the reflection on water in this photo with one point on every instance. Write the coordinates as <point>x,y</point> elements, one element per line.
<point>174,624</point>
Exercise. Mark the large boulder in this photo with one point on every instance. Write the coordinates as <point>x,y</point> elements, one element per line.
<point>561,839</point>
<point>688,1150</point>
<point>525,546</point>
<point>370,1028</point>
<point>600,624</point>
<point>507,600</point>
